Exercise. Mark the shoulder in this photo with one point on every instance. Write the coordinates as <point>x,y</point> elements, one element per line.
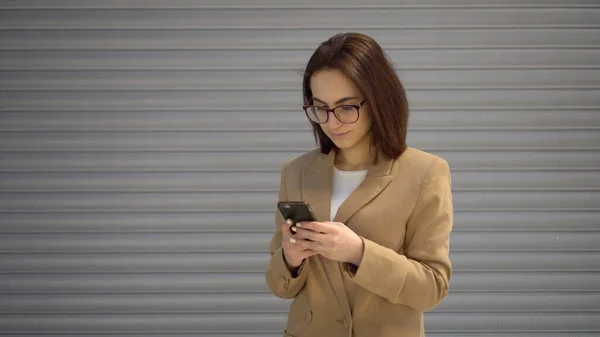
<point>421,165</point>
<point>301,162</point>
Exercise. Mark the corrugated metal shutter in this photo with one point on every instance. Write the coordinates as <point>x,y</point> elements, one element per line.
<point>141,143</point>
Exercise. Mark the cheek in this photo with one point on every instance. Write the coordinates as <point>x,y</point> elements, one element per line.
<point>364,124</point>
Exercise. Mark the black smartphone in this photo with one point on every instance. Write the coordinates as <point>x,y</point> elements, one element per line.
<point>296,210</point>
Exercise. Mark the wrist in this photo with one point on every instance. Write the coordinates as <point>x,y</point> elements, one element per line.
<point>359,251</point>
<point>291,266</point>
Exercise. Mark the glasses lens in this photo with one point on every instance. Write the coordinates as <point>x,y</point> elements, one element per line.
<point>317,114</point>
<point>346,113</point>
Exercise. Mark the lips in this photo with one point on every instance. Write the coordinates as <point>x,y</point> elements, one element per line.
<point>337,135</point>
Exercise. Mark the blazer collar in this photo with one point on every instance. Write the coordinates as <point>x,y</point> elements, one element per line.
<point>317,186</point>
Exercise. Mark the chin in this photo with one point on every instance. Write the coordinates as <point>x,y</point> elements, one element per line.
<point>342,145</point>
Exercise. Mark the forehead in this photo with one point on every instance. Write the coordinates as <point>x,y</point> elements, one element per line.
<point>329,85</point>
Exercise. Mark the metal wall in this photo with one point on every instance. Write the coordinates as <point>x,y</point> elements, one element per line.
<point>141,143</point>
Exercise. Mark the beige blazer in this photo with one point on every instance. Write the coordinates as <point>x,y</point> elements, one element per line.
<point>403,211</point>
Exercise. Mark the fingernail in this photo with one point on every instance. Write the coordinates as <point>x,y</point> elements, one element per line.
<point>289,221</point>
<point>292,240</point>
<point>293,228</point>
<point>298,225</point>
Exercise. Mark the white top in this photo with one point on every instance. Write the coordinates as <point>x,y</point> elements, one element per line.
<point>344,182</point>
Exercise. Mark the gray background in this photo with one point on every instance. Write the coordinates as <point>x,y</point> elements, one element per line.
<point>141,143</point>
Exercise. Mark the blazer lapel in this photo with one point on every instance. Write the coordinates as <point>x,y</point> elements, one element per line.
<point>317,186</point>
<point>377,179</point>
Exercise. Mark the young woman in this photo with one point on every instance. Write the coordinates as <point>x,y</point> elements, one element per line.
<point>377,257</point>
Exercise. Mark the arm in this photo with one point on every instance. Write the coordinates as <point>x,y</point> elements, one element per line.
<point>419,278</point>
<point>281,280</point>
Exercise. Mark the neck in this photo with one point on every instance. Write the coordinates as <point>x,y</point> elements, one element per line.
<point>356,158</point>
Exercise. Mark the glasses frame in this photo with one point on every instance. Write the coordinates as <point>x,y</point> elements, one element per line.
<point>332,110</point>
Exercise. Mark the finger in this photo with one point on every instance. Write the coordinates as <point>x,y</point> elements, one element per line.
<point>316,226</point>
<point>304,244</point>
<point>299,243</point>
<point>297,232</point>
<point>308,253</point>
<point>311,235</point>
<point>293,246</point>
<point>285,228</point>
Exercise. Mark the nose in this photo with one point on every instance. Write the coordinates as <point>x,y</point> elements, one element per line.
<point>332,121</point>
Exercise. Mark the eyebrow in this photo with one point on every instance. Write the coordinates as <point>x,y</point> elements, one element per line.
<point>341,100</point>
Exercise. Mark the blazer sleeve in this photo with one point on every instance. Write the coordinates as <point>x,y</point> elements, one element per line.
<point>419,278</point>
<point>279,278</point>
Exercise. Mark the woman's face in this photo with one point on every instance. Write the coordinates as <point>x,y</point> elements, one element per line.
<point>331,88</point>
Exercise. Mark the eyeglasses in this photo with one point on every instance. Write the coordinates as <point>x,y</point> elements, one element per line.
<point>346,114</point>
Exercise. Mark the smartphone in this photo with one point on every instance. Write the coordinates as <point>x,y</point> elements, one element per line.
<point>296,211</point>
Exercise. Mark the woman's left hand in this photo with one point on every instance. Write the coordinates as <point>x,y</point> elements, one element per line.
<point>333,240</point>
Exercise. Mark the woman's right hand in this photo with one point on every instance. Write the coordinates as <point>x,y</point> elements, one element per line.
<point>293,252</point>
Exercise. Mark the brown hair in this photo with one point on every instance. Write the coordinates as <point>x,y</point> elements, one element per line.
<point>363,61</point>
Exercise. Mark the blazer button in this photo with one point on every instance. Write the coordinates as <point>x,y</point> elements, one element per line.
<point>309,316</point>
<point>344,321</point>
